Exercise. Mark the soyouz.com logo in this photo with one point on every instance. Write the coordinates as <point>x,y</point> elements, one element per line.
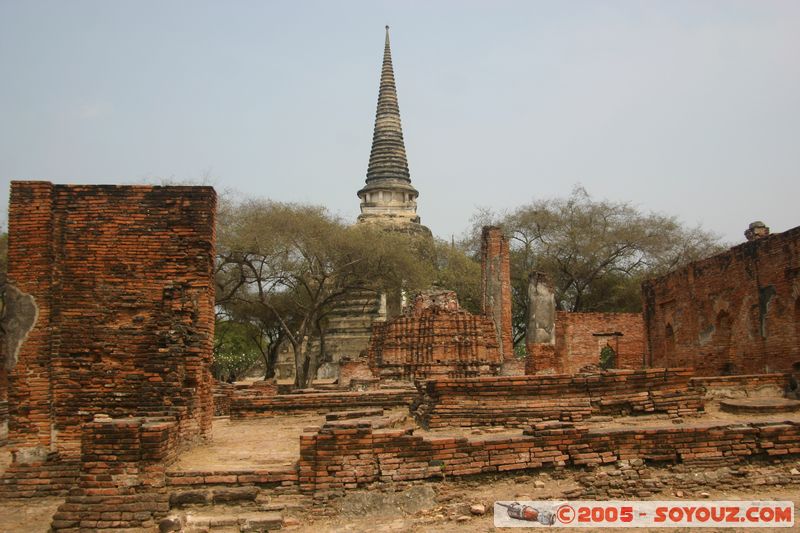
<point>598,514</point>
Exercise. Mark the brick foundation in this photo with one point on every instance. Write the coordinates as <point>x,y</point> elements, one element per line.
<point>350,454</point>
<point>737,312</point>
<point>521,400</point>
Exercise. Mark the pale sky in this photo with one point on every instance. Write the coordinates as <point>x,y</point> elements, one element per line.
<point>689,108</point>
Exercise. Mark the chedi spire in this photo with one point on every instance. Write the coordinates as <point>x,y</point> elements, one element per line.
<point>388,196</point>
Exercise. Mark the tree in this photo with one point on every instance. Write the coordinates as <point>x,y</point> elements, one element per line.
<point>294,263</point>
<point>595,252</point>
<point>456,269</point>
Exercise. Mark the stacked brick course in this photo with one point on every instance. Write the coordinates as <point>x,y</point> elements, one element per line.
<point>435,337</point>
<point>737,312</point>
<point>253,404</point>
<point>346,456</point>
<point>122,483</point>
<point>521,400</point>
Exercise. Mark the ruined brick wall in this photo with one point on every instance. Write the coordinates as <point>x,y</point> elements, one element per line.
<point>520,400</point>
<point>737,312</point>
<point>581,336</point>
<point>351,454</point>
<point>122,280</point>
<point>496,286</point>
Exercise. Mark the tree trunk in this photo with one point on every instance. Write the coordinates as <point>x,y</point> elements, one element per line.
<point>301,378</point>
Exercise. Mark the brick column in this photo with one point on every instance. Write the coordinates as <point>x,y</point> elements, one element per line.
<point>496,287</point>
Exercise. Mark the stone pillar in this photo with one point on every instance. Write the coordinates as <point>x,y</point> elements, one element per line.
<point>540,340</point>
<point>496,287</point>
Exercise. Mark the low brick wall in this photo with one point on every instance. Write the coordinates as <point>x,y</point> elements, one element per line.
<point>254,404</point>
<point>122,475</point>
<point>52,477</point>
<point>351,454</point>
<point>743,384</point>
<point>518,401</point>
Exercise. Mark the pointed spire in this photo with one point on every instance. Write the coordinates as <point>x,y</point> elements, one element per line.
<point>388,156</point>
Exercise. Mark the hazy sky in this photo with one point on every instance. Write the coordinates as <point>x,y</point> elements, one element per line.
<point>685,107</point>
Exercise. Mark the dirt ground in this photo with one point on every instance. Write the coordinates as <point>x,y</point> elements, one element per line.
<point>249,444</point>
<point>447,509</point>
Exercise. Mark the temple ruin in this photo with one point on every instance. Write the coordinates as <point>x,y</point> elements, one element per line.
<point>111,409</point>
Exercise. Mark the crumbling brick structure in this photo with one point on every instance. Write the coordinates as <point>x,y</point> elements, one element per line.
<point>496,287</point>
<point>581,336</point>
<point>517,401</point>
<point>434,337</point>
<point>115,298</point>
<point>737,312</point>
<point>565,342</point>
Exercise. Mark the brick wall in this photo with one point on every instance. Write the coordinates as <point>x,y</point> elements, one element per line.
<point>122,279</point>
<point>581,336</point>
<point>521,400</point>
<point>350,454</point>
<point>496,286</point>
<point>737,312</point>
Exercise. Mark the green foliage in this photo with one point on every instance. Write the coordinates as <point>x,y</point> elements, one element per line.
<point>608,357</point>
<point>236,349</point>
<point>595,253</point>
<point>456,270</point>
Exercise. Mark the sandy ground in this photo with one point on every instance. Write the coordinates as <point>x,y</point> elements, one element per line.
<point>249,444</point>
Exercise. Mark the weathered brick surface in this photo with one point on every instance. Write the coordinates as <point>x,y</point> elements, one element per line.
<point>252,403</point>
<point>520,400</point>
<point>46,478</point>
<point>342,456</point>
<point>737,312</point>
<point>223,392</point>
<point>581,336</point>
<point>436,337</point>
<point>355,373</point>
<point>496,286</point>
<point>122,480</point>
<point>122,277</point>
